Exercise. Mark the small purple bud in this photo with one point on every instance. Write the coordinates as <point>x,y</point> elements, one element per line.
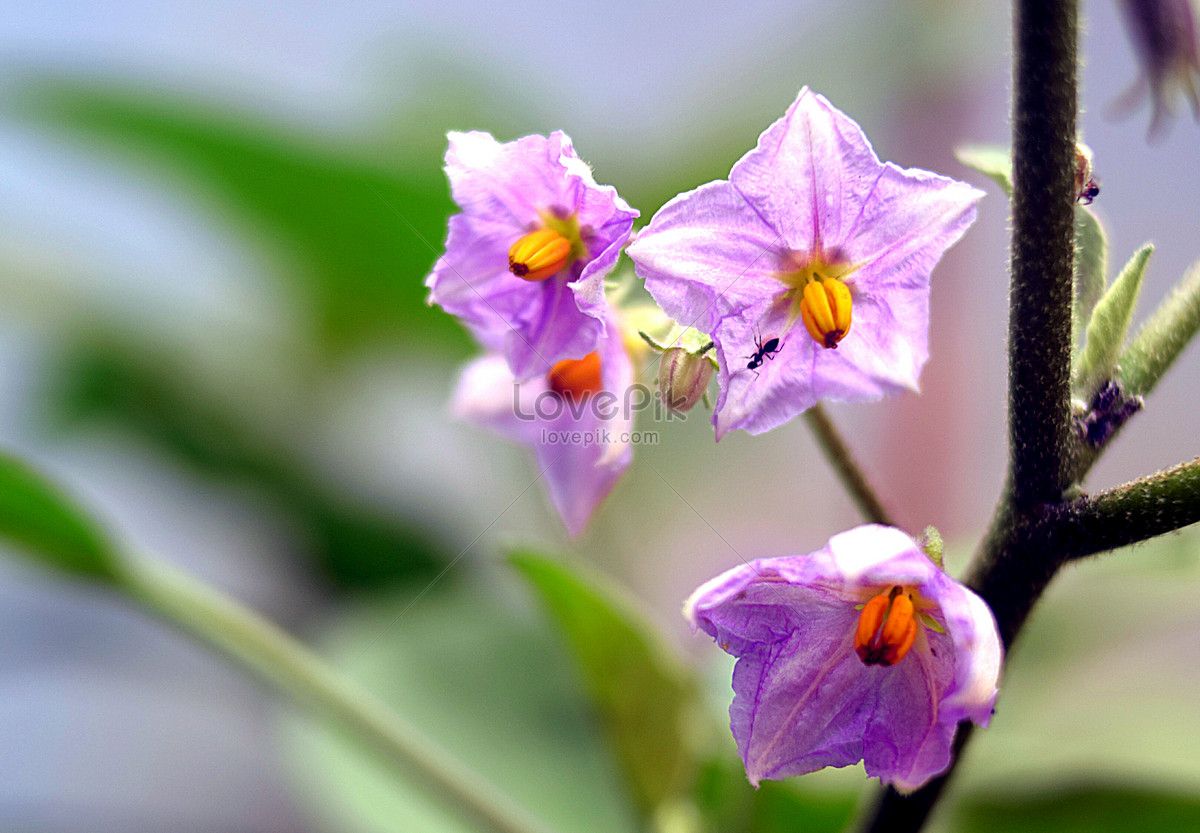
<point>1110,409</point>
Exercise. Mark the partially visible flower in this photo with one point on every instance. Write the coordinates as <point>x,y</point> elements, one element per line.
<point>575,417</point>
<point>811,230</point>
<point>861,651</point>
<point>1164,36</point>
<point>525,260</point>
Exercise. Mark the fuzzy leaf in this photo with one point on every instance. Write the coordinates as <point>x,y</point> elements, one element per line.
<point>43,523</point>
<point>645,697</point>
<point>1108,326</point>
<point>1091,268</point>
<point>1163,337</point>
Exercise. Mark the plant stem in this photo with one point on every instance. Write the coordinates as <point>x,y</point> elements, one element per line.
<point>1043,222</point>
<point>272,654</point>
<point>1011,570</point>
<point>1150,506</point>
<point>851,474</point>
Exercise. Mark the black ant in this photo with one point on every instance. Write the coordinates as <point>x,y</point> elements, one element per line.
<point>1090,191</point>
<point>763,350</point>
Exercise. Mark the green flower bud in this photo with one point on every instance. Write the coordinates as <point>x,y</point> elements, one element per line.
<point>683,378</point>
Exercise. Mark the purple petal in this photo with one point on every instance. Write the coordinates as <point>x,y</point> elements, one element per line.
<point>581,448</point>
<point>812,184</point>
<point>706,253</point>
<point>810,174</point>
<point>803,699</point>
<point>503,190</point>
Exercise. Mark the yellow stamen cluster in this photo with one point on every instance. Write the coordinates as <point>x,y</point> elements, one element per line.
<point>818,295</point>
<point>887,628</point>
<point>539,255</point>
<point>825,308</point>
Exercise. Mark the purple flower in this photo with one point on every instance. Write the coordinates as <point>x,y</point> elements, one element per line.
<point>1164,35</point>
<point>863,650</point>
<point>810,229</point>
<point>525,260</point>
<point>576,418</point>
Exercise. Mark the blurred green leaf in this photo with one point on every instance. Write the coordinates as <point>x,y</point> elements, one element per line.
<point>645,697</point>
<point>1091,269</point>
<point>491,685</point>
<point>354,235</point>
<point>1085,808</point>
<point>992,161</point>
<point>1163,337</point>
<point>100,379</point>
<point>1108,326</point>
<point>45,524</point>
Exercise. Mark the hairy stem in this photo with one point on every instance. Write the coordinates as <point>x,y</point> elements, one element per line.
<point>849,472</point>
<point>1039,323</point>
<point>1150,506</point>
<point>1011,571</point>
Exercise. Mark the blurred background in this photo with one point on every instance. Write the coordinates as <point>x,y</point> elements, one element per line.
<point>215,220</point>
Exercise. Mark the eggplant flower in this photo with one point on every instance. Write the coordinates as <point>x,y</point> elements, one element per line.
<point>525,260</point>
<point>862,651</point>
<point>811,229</point>
<point>1164,36</point>
<point>577,418</point>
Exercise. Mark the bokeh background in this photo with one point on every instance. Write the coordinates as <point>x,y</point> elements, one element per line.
<point>214,224</point>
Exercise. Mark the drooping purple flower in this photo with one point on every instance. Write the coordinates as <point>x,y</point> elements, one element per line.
<point>577,418</point>
<point>862,651</point>
<point>1164,35</point>
<point>525,260</point>
<point>812,244</point>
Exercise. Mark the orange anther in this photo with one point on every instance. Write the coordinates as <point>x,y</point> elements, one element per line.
<point>576,379</point>
<point>886,628</point>
<point>539,255</point>
<point>825,309</point>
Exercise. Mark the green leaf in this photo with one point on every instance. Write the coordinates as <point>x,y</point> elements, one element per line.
<point>992,161</point>
<point>1082,808</point>
<point>1109,324</point>
<point>353,231</point>
<point>1163,337</point>
<point>43,523</point>
<point>472,669</point>
<point>645,697</point>
<point>1091,269</point>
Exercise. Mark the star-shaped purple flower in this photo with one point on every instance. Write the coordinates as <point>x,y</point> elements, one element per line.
<point>809,267</point>
<point>862,651</point>
<point>577,419</point>
<point>525,260</point>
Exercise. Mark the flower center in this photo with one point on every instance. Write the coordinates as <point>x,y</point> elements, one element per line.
<point>886,628</point>
<point>576,379</point>
<point>546,251</point>
<point>817,295</point>
<point>825,308</point>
